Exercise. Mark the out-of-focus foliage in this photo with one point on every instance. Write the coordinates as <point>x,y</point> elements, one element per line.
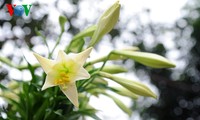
<point>180,88</point>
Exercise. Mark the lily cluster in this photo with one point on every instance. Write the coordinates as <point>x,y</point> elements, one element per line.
<point>67,69</point>
<point>71,76</point>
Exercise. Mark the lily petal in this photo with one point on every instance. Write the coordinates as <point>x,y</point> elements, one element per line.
<point>81,57</point>
<point>49,82</point>
<point>45,63</point>
<point>62,56</point>
<point>82,74</point>
<point>71,92</point>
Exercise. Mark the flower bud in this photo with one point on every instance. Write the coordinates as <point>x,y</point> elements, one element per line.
<point>130,48</point>
<point>125,92</point>
<point>114,69</point>
<point>148,59</point>
<point>106,23</point>
<point>99,80</point>
<point>135,87</point>
<point>120,104</point>
<point>62,21</point>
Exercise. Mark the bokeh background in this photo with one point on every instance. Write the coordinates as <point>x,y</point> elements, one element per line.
<point>169,28</point>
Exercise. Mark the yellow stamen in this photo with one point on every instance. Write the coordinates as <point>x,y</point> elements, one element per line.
<point>63,79</point>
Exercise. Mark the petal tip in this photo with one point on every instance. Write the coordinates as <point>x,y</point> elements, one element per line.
<point>88,50</point>
<point>44,87</point>
<point>38,57</point>
<point>76,105</point>
<point>35,54</point>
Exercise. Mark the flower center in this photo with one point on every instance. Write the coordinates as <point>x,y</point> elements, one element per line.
<point>65,72</point>
<point>62,79</point>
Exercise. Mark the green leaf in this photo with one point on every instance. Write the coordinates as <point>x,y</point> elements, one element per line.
<point>89,112</point>
<point>38,33</point>
<point>62,21</point>
<point>39,114</point>
<point>19,106</point>
<point>82,112</point>
<point>78,42</point>
<point>85,33</point>
<point>75,46</point>
<point>3,87</point>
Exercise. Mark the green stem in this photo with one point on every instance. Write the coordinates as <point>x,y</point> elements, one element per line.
<point>7,62</point>
<point>38,33</point>
<point>23,67</point>
<point>104,63</point>
<point>85,84</point>
<point>19,67</point>
<point>57,42</point>
<point>67,49</point>
<point>101,59</point>
<point>45,42</point>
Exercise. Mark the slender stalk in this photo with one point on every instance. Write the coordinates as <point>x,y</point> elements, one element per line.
<point>85,83</point>
<point>23,67</point>
<point>6,61</point>
<point>19,67</point>
<point>105,59</point>
<point>57,42</point>
<point>101,59</point>
<point>45,42</point>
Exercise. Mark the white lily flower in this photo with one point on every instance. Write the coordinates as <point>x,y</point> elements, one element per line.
<point>64,72</point>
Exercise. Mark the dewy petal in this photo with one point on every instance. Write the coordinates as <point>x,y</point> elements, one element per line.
<point>70,91</point>
<point>49,82</point>
<point>82,74</point>
<point>45,63</point>
<point>80,58</point>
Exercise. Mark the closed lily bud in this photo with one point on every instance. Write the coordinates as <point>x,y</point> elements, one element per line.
<point>125,92</point>
<point>13,85</point>
<point>97,91</point>
<point>13,88</point>
<point>131,48</point>
<point>106,23</point>
<point>10,95</point>
<point>114,69</point>
<point>99,80</point>
<point>62,21</point>
<point>135,87</point>
<point>120,104</point>
<point>148,59</point>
